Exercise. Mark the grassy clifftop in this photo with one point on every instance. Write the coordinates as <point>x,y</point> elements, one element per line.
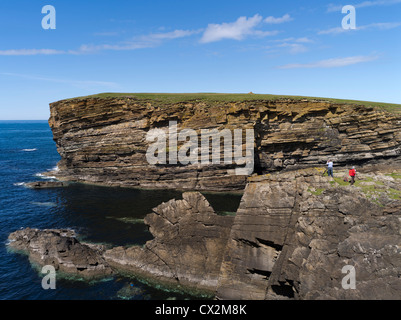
<point>181,97</point>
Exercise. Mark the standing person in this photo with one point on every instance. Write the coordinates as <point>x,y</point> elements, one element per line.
<point>352,174</point>
<point>330,168</point>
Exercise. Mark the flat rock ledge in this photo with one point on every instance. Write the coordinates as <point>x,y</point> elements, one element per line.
<point>61,249</point>
<point>46,184</point>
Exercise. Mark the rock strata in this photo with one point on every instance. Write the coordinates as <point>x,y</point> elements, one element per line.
<point>61,249</point>
<point>46,184</point>
<point>295,232</point>
<point>189,239</point>
<point>292,237</point>
<point>103,140</point>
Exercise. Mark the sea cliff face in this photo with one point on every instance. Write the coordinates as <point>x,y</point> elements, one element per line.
<point>296,235</point>
<point>103,140</point>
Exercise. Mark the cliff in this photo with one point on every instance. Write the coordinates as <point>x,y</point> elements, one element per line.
<point>103,140</point>
<point>295,232</point>
<point>296,235</point>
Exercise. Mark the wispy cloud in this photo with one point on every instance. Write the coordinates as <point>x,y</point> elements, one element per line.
<point>139,42</point>
<point>331,63</point>
<point>151,40</point>
<point>292,45</point>
<point>238,30</point>
<point>76,83</point>
<point>294,48</point>
<point>273,20</point>
<point>333,8</point>
<point>379,26</point>
<point>292,39</point>
<point>170,35</point>
<point>93,48</point>
<point>30,52</point>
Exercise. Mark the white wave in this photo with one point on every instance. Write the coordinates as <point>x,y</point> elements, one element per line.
<point>29,150</point>
<point>56,169</point>
<point>45,204</point>
<point>8,241</point>
<point>42,176</point>
<point>19,183</point>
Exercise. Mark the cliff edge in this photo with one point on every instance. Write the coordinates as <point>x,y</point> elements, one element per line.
<point>297,233</point>
<point>104,140</point>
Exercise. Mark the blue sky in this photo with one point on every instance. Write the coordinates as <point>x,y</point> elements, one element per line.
<point>288,47</point>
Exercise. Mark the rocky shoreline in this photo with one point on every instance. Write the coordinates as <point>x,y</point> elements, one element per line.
<point>295,230</point>
<point>290,238</point>
<point>61,249</point>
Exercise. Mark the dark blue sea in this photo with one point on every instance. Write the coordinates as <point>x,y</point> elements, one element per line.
<point>111,216</point>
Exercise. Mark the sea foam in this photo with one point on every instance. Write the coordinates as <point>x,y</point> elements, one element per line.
<point>19,183</point>
<point>42,176</point>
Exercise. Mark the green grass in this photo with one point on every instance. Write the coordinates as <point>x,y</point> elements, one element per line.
<point>235,97</point>
<point>394,175</point>
<point>395,194</point>
<point>340,181</point>
<point>373,191</point>
<point>317,191</point>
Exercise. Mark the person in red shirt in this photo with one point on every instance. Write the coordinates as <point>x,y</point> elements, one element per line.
<point>352,174</point>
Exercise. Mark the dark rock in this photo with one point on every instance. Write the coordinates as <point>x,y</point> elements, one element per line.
<point>61,249</point>
<point>187,248</point>
<point>289,241</point>
<point>46,184</point>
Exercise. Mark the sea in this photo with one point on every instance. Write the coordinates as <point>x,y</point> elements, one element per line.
<point>104,215</point>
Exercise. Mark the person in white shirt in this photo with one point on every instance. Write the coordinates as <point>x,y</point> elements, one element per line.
<point>330,168</point>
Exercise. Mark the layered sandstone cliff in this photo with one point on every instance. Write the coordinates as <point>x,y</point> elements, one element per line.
<point>103,140</point>
<point>294,231</point>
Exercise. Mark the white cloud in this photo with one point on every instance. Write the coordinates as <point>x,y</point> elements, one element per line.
<point>294,48</point>
<point>140,42</point>
<point>273,20</point>
<point>380,26</point>
<point>170,35</point>
<point>293,45</point>
<point>333,8</point>
<point>292,39</point>
<point>91,48</point>
<point>304,40</point>
<point>30,52</point>
<point>77,83</point>
<point>336,30</point>
<point>383,25</point>
<point>331,63</point>
<point>237,30</point>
